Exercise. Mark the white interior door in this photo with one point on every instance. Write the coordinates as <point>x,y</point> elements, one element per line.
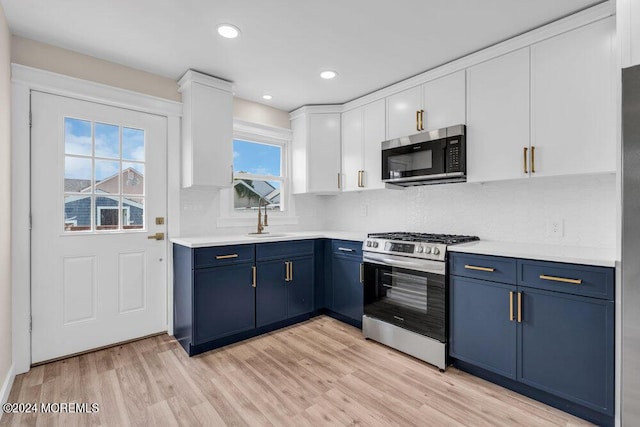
<point>98,182</point>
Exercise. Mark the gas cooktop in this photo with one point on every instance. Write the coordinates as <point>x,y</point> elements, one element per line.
<point>445,239</point>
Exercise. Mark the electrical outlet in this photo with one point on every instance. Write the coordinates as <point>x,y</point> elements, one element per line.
<point>555,227</point>
<point>364,210</point>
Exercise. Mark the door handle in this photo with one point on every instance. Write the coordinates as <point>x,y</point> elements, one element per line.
<point>253,272</point>
<point>339,183</point>
<point>511,306</point>
<point>157,236</point>
<point>418,120</point>
<point>290,270</point>
<point>421,119</point>
<point>519,307</point>
<point>524,162</point>
<point>286,271</point>
<point>533,159</point>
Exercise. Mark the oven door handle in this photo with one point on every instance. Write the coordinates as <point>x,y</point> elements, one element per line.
<point>428,266</point>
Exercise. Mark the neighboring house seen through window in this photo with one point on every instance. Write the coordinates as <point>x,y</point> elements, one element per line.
<point>258,175</point>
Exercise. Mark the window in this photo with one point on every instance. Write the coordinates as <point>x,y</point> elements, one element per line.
<point>103,176</point>
<point>258,175</point>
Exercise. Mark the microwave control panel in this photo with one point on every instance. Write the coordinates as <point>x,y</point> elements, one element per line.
<point>454,155</point>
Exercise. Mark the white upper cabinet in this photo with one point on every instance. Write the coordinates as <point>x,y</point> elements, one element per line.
<point>363,130</point>
<point>207,131</point>
<point>444,102</point>
<point>315,166</point>
<point>629,31</point>
<point>498,118</point>
<point>436,104</point>
<point>573,107</point>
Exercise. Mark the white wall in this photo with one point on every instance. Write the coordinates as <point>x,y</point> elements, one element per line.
<point>507,211</point>
<point>5,206</point>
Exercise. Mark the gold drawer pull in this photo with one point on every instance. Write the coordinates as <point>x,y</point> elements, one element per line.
<point>561,279</point>
<point>473,267</point>
<point>226,256</point>
<point>511,306</point>
<point>519,307</point>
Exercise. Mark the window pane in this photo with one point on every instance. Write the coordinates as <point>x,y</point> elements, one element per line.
<point>77,137</point>
<point>247,194</point>
<point>77,213</point>
<point>107,213</point>
<point>77,174</point>
<point>133,144</point>
<point>107,177</point>
<point>107,141</point>
<point>132,213</point>
<point>133,178</point>
<point>255,158</point>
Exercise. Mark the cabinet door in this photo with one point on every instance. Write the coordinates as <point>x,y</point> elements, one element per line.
<point>352,130</point>
<point>481,329</point>
<point>498,118</point>
<point>300,288</point>
<point>373,135</point>
<point>299,155</point>
<point>271,292</point>
<point>401,112</point>
<point>347,290</point>
<point>323,153</point>
<point>444,101</point>
<point>224,302</point>
<point>566,347</point>
<point>573,121</point>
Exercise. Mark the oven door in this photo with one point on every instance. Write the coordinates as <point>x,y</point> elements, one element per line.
<point>415,160</point>
<point>397,293</point>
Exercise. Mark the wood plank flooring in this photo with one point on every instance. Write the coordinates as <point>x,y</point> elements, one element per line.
<point>321,372</point>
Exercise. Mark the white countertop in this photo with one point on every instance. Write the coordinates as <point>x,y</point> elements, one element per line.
<point>240,239</point>
<point>605,257</point>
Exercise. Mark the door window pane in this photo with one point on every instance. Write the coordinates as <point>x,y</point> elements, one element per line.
<point>77,174</point>
<point>77,137</point>
<point>132,144</point>
<point>107,177</point>
<point>133,178</point>
<point>132,213</point>
<point>107,141</point>
<point>77,213</point>
<point>107,209</point>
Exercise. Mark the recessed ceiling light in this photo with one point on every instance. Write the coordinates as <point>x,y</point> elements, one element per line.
<point>267,97</point>
<point>328,74</point>
<point>228,31</point>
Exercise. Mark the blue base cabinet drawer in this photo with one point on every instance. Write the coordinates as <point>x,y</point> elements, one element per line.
<point>222,255</point>
<point>484,267</point>
<point>596,282</point>
<point>544,327</point>
<point>281,250</point>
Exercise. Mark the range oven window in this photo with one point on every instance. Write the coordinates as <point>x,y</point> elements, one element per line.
<point>410,299</point>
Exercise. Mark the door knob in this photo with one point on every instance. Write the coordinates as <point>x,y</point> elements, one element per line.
<point>157,236</point>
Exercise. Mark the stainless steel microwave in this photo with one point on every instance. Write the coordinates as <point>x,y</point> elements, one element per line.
<point>426,158</point>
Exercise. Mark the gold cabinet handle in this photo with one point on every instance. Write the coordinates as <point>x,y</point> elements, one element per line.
<point>253,272</point>
<point>524,160</point>
<point>227,256</point>
<point>339,183</point>
<point>286,271</point>
<point>473,267</point>
<point>418,120</point>
<point>533,159</point>
<point>519,307</point>
<point>360,179</point>
<point>290,270</point>
<point>361,272</point>
<point>231,174</point>
<point>511,306</point>
<point>561,279</point>
<point>157,236</point>
<point>421,119</point>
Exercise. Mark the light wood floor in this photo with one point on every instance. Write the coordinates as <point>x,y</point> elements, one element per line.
<point>321,372</point>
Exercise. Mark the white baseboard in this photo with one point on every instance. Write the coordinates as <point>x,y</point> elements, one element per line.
<point>6,386</point>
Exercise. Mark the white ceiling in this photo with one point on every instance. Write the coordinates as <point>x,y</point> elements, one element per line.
<point>284,44</point>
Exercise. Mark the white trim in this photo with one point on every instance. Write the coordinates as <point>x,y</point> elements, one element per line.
<point>59,84</point>
<point>317,109</point>
<point>248,130</point>
<point>6,386</point>
<point>192,76</point>
<point>24,80</point>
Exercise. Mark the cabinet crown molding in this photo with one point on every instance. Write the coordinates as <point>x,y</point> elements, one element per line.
<point>192,76</point>
<point>317,109</point>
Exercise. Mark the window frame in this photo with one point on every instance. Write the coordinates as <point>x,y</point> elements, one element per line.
<point>261,134</point>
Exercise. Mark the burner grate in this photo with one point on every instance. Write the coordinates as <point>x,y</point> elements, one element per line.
<point>446,239</point>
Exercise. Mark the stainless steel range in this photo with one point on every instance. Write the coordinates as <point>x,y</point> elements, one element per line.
<point>406,292</point>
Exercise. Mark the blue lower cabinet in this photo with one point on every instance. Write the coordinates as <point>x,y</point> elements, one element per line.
<point>271,292</point>
<point>483,327</point>
<point>347,299</point>
<point>214,288</point>
<point>284,289</point>
<point>300,287</point>
<point>566,347</point>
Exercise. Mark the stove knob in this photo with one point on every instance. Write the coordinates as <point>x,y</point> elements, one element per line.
<point>420,249</point>
<point>436,251</point>
<point>375,244</point>
<point>368,244</point>
<point>427,250</point>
